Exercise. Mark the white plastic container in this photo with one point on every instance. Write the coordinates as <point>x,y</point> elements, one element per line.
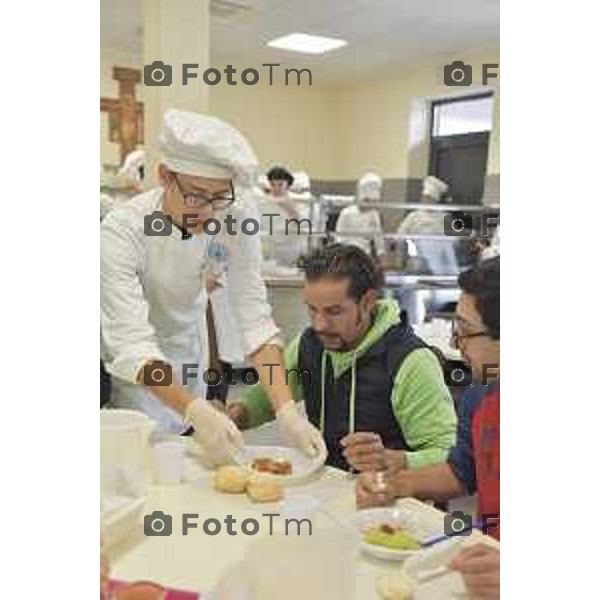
<point>170,462</point>
<point>125,459</point>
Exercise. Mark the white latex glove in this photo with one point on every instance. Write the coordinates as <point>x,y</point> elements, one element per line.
<point>214,432</point>
<point>297,431</point>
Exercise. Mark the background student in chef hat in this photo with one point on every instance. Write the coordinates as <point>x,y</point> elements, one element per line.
<point>359,217</point>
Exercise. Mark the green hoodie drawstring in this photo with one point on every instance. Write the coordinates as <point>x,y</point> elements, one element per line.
<point>323,367</point>
<point>352,396</point>
<point>352,408</point>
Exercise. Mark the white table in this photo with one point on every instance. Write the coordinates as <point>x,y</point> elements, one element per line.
<point>196,561</point>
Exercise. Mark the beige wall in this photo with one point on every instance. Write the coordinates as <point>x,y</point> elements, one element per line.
<point>332,132</point>
<point>376,115</point>
<point>297,126</point>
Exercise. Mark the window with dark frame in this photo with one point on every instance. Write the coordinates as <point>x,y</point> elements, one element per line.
<point>459,140</point>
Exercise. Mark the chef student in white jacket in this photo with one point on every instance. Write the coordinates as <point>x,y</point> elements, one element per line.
<point>439,254</point>
<point>357,218</point>
<point>154,257</point>
<point>284,215</point>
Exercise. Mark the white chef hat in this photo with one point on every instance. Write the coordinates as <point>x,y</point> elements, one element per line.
<point>205,146</point>
<point>301,182</point>
<point>433,187</point>
<point>369,187</point>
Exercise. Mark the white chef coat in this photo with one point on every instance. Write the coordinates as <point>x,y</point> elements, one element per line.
<point>353,219</point>
<point>439,253</point>
<point>494,248</point>
<point>153,298</point>
<point>281,240</point>
<point>229,340</point>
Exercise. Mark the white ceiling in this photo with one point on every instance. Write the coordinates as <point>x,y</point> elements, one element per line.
<point>380,33</point>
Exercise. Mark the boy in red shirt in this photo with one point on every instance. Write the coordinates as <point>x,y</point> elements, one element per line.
<point>473,465</point>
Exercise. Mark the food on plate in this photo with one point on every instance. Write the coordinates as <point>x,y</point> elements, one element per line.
<point>264,489</point>
<point>231,479</point>
<point>141,591</point>
<point>273,466</point>
<point>388,536</point>
<point>396,586</point>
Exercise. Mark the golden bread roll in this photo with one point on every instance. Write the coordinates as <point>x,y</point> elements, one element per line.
<point>264,489</point>
<point>396,586</point>
<point>231,479</point>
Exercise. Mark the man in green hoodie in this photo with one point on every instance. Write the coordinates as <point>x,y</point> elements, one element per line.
<point>374,388</point>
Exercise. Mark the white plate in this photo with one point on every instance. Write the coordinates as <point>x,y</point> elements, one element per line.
<point>396,517</point>
<point>449,585</point>
<point>303,467</point>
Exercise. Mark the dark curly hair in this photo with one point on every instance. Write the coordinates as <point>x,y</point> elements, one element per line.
<point>280,174</point>
<point>483,282</point>
<point>341,261</point>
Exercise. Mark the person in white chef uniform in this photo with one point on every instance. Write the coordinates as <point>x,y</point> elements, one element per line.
<point>155,254</point>
<point>439,254</point>
<point>359,218</point>
<point>285,216</point>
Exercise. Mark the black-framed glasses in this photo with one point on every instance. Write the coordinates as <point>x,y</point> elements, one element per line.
<point>457,337</point>
<point>200,200</point>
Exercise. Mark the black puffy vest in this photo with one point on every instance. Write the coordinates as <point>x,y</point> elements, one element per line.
<point>376,370</point>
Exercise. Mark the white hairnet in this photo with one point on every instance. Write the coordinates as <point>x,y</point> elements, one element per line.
<point>369,187</point>
<point>434,188</point>
<point>205,146</point>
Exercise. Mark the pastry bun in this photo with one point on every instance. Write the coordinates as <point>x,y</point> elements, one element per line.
<point>231,479</point>
<point>264,489</point>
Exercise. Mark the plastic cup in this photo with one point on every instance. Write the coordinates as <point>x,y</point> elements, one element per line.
<point>169,458</point>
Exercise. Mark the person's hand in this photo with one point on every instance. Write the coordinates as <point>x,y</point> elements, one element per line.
<point>214,432</point>
<point>238,413</point>
<point>297,431</point>
<point>479,565</point>
<point>372,490</point>
<point>104,575</point>
<point>218,405</point>
<point>365,451</point>
<point>382,488</point>
<point>212,282</point>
